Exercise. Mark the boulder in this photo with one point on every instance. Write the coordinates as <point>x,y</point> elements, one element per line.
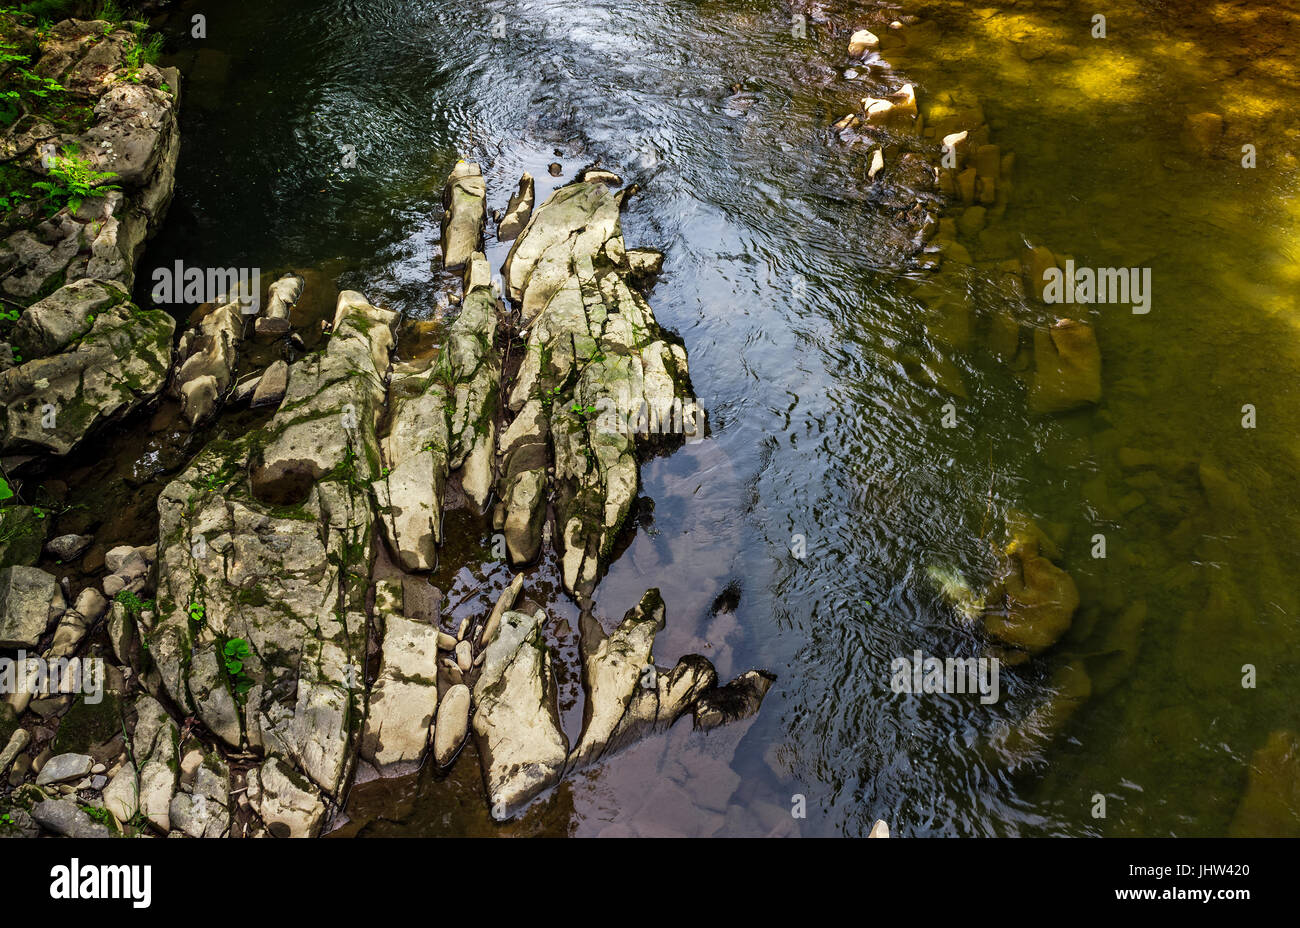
<point>1067,367</point>
<point>452,725</point>
<point>404,697</point>
<point>518,212</point>
<point>1035,603</point>
<point>29,600</point>
<point>516,723</point>
<point>50,404</point>
<point>464,202</point>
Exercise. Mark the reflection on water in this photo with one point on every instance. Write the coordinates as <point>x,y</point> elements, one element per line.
<point>789,283</point>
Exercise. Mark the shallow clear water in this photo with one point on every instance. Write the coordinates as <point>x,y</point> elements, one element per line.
<point>785,278</point>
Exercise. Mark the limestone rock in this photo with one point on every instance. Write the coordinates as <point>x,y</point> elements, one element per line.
<point>50,404</point>
<point>64,316</point>
<point>738,700</point>
<point>464,202</point>
<point>1038,598</point>
<point>272,386</point>
<point>63,767</point>
<point>600,381</point>
<point>204,811</point>
<point>862,42</point>
<point>404,698</point>
<point>207,357</point>
<point>452,726</point>
<point>285,801</point>
<point>29,600</point>
<point>64,817</point>
<point>285,515</point>
<point>516,724</point>
<point>518,212</point>
<point>410,490</point>
<point>627,695</point>
<point>281,297</point>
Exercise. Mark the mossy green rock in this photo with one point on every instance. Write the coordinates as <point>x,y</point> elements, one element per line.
<point>22,535</point>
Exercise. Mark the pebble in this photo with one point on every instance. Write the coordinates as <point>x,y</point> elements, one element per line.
<point>64,767</point>
<point>68,547</point>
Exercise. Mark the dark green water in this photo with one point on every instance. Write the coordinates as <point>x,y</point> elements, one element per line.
<point>786,280</point>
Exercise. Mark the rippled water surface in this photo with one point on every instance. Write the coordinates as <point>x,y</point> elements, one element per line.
<point>786,277</point>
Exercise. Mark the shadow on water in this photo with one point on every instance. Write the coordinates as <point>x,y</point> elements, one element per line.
<point>317,136</point>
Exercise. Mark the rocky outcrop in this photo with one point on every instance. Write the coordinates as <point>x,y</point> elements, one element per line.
<point>599,382</point>
<point>112,358</point>
<point>131,133</point>
<point>627,695</point>
<point>523,748</point>
<point>264,554</point>
<point>443,416</point>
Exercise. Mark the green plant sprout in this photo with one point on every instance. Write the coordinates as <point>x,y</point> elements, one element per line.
<point>73,181</point>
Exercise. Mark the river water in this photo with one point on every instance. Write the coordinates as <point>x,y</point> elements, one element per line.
<point>317,137</point>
